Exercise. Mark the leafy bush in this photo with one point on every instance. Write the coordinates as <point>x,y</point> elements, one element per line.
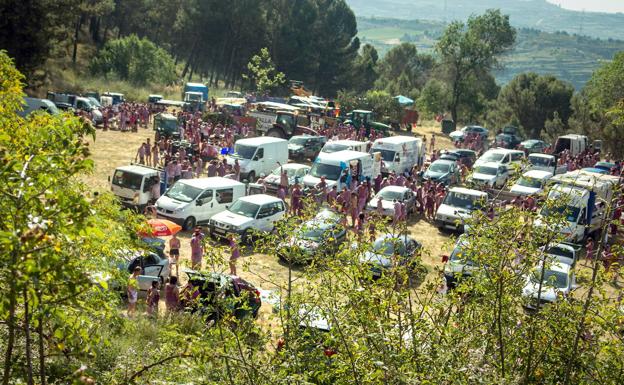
<point>137,60</point>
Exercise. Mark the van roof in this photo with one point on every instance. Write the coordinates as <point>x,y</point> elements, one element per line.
<point>344,155</point>
<point>138,169</point>
<point>260,140</point>
<point>467,191</point>
<point>504,150</point>
<point>195,85</point>
<point>538,174</point>
<point>212,182</point>
<point>260,199</point>
<point>573,136</point>
<point>399,139</point>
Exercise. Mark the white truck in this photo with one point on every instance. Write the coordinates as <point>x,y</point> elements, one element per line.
<point>192,201</point>
<point>133,184</point>
<point>546,162</point>
<point>336,166</point>
<point>458,206</point>
<point>400,153</point>
<point>582,197</point>
<point>258,156</point>
<point>574,143</point>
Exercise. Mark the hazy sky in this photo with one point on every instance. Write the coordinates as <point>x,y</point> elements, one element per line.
<point>591,5</point>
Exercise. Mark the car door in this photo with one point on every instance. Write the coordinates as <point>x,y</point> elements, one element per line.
<point>149,274</point>
<point>501,176</point>
<point>274,213</point>
<point>263,222</point>
<point>203,206</point>
<point>223,198</point>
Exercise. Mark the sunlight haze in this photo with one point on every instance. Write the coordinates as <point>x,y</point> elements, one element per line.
<point>591,5</point>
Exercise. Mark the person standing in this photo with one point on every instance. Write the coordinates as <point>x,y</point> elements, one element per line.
<point>153,298</point>
<point>235,254</point>
<point>236,170</point>
<point>133,290</point>
<point>172,294</point>
<point>295,201</point>
<point>589,247</point>
<point>140,155</point>
<point>174,251</point>
<point>197,249</point>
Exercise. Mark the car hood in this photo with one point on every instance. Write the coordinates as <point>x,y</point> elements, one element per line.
<point>460,267</point>
<point>373,258</point>
<point>241,162</point>
<point>457,134</point>
<point>453,211</point>
<point>273,179</point>
<point>231,218</point>
<point>524,190</point>
<point>485,177</point>
<point>305,245</point>
<point>170,204</point>
<point>294,147</point>
<point>549,293</point>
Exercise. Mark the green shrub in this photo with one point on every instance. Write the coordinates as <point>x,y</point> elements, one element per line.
<point>137,60</point>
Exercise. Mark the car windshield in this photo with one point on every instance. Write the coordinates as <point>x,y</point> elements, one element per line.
<point>439,167</point>
<point>329,171</point>
<point>526,181</point>
<point>313,231</point>
<point>298,141</point>
<point>389,246</point>
<point>485,170</point>
<point>465,201</point>
<point>243,151</point>
<point>389,195</point>
<point>334,147</point>
<point>571,212</point>
<point>182,192</point>
<point>246,209</point>
<point>94,101</point>
<point>553,278</point>
<point>127,179</point>
<point>386,155</point>
<point>492,157</point>
<point>560,252</point>
<point>540,161</point>
<point>289,171</point>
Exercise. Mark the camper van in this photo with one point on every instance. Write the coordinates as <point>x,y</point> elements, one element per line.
<point>192,201</point>
<point>399,153</point>
<point>258,156</point>
<point>336,165</point>
<point>133,184</point>
<point>341,145</point>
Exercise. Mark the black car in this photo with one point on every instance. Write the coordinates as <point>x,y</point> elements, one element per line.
<point>214,295</point>
<point>509,141</point>
<point>305,146</point>
<point>464,156</point>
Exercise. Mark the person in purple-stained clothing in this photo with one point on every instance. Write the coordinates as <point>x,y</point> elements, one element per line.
<point>221,169</point>
<point>378,180</point>
<point>332,195</point>
<point>397,213</point>
<point>295,200</point>
<point>197,250</point>
<point>212,169</point>
<point>236,169</point>
<point>281,193</point>
<point>235,254</point>
<point>362,192</point>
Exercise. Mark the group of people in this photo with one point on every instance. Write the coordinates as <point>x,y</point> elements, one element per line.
<point>128,116</point>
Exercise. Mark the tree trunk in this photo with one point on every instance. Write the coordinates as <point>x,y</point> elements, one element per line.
<point>28,343</point>
<point>76,33</point>
<point>42,368</point>
<point>8,354</point>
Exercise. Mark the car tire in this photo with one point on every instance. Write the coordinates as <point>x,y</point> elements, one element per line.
<point>189,223</point>
<point>251,177</point>
<point>276,133</point>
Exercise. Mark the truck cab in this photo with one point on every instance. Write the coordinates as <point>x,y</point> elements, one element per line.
<point>336,168</point>
<point>133,185</point>
<point>166,125</point>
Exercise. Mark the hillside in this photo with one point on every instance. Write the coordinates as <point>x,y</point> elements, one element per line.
<point>568,56</point>
<point>537,14</point>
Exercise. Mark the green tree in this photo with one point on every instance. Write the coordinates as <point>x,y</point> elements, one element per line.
<point>466,50</point>
<point>403,70</point>
<point>137,60</point>
<point>531,100</point>
<point>263,73</point>
<point>433,99</point>
<point>365,69</point>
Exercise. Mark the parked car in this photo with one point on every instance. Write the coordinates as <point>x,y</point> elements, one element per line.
<point>305,146</point>
<point>459,135</point>
<point>467,157</point>
<point>531,182</point>
<point>295,172</point>
<point>502,156</point>
<point>388,194</point>
<point>607,166</point>
<point>33,104</point>
<point>214,295</point>
<point>564,253</point>
<point>534,145</point>
<point>459,264</point>
<point>153,268</point>
<point>318,237</point>
<point>443,171</point>
<point>248,214</point>
<point>391,250</point>
<point>559,281</point>
<point>489,175</point>
<point>509,141</point>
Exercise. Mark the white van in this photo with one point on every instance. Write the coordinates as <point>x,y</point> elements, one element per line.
<point>399,153</point>
<point>250,213</point>
<point>531,182</point>
<point>192,201</point>
<point>458,206</point>
<point>258,156</point>
<point>133,184</point>
<point>573,142</point>
<point>341,145</point>
<point>502,156</point>
<point>335,167</point>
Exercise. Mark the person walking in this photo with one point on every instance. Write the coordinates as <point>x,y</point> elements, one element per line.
<point>174,251</point>
<point>133,290</point>
<point>235,254</point>
<point>153,298</point>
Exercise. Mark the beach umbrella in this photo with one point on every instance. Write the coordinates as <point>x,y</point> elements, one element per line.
<point>163,227</point>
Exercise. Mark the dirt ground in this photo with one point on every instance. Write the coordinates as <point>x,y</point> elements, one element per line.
<point>112,149</point>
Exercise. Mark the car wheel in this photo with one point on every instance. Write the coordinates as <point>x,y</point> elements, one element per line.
<point>189,223</point>
<point>251,177</point>
<point>276,133</point>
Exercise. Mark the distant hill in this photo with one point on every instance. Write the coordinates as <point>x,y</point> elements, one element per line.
<point>568,56</point>
<point>537,14</point>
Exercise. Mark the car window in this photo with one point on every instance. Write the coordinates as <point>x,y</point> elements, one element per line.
<point>516,156</point>
<point>265,211</point>
<point>206,195</point>
<point>259,153</point>
<point>225,196</point>
<point>150,259</point>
